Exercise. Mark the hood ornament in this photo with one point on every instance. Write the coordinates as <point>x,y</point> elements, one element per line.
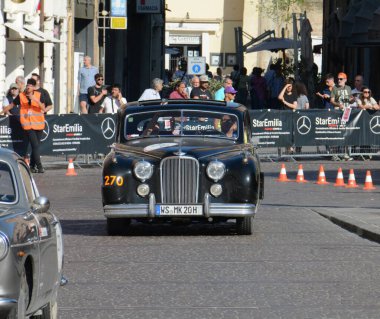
<point>179,153</point>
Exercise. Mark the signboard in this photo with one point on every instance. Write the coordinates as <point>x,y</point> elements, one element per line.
<point>196,65</point>
<point>272,128</point>
<point>118,8</point>
<point>184,39</point>
<point>148,6</point>
<point>118,23</point>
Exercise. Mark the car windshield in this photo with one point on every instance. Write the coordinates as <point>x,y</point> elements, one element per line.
<point>7,184</point>
<point>181,123</point>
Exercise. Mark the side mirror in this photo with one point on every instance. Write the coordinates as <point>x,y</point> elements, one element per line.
<point>41,204</point>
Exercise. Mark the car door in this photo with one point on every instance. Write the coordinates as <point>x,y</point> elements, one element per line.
<point>48,265</point>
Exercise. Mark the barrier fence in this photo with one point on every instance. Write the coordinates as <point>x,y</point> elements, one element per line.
<point>314,133</point>
<point>310,132</point>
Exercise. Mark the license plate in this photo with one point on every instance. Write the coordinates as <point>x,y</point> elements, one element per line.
<point>179,210</point>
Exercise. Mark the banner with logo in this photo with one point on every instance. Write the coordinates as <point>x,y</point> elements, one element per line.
<point>11,134</point>
<point>372,127</point>
<point>94,133</point>
<point>313,127</point>
<point>77,134</point>
<point>272,128</point>
<point>64,134</point>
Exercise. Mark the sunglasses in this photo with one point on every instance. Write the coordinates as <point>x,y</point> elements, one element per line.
<point>100,79</point>
<point>341,79</point>
<point>366,91</point>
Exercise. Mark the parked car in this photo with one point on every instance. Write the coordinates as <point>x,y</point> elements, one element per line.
<point>186,159</point>
<point>31,249</point>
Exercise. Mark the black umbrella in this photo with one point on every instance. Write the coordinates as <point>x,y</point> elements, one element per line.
<point>273,44</point>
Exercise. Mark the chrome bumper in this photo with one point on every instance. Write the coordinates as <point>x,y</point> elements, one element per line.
<point>209,209</point>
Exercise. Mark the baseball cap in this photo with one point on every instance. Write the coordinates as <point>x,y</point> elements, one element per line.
<point>230,89</point>
<point>13,86</point>
<point>342,75</point>
<point>203,78</point>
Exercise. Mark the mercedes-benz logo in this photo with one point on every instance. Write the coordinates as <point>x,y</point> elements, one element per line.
<point>45,132</point>
<point>374,125</point>
<point>108,128</point>
<point>303,125</point>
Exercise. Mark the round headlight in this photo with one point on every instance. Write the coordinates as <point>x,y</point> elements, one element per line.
<point>4,246</point>
<point>143,170</point>
<point>216,190</point>
<point>143,190</point>
<point>215,170</point>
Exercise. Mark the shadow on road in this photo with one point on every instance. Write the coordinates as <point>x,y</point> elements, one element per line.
<point>98,228</point>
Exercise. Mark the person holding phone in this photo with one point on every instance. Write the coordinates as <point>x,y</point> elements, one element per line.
<point>113,102</point>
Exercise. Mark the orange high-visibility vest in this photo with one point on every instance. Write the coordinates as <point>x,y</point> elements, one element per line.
<point>31,116</point>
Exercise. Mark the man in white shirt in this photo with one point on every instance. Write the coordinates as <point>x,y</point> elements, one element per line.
<point>154,92</point>
<point>113,102</point>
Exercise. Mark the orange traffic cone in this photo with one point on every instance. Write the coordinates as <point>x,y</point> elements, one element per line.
<point>368,185</point>
<point>351,180</point>
<point>300,176</point>
<point>71,169</point>
<point>339,179</point>
<point>282,177</point>
<point>322,177</point>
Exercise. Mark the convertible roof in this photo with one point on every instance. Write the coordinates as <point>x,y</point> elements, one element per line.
<point>179,102</point>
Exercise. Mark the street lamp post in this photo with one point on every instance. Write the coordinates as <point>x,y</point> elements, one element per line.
<point>104,16</point>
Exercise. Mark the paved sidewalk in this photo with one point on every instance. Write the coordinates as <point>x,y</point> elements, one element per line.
<point>363,221</point>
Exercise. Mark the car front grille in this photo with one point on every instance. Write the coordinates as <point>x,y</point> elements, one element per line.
<point>179,180</point>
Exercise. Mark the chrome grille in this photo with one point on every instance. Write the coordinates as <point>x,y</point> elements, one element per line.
<point>179,180</point>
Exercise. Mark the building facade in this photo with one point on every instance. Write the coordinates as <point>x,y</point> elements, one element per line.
<point>33,39</point>
<point>207,28</point>
<point>351,44</point>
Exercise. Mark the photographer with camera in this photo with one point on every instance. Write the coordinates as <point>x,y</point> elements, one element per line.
<point>341,95</point>
<point>96,94</point>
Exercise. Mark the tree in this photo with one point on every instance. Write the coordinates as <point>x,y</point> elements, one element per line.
<point>279,10</point>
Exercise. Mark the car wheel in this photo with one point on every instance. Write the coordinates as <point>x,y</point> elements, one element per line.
<point>23,299</point>
<point>117,226</point>
<point>244,225</point>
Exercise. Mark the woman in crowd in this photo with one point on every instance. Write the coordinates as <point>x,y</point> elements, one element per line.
<point>288,96</point>
<point>302,100</point>
<point>179,91</point>
<point>366,101</point>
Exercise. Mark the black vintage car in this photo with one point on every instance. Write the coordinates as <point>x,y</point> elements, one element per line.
<point>182,159</point>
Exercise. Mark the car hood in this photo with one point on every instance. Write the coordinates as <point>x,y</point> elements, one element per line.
<point>196,147</point>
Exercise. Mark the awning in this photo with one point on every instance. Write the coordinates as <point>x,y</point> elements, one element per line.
<point>23,33</point>
<point>41,34</point>
<point>30,34</point>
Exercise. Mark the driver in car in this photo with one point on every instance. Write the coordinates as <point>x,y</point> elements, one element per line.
<point>228,126</point>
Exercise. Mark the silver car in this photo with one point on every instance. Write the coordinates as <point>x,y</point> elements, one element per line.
<point>31,249</point>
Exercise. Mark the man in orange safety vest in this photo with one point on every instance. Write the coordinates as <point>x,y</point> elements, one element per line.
<point>32,119</point>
